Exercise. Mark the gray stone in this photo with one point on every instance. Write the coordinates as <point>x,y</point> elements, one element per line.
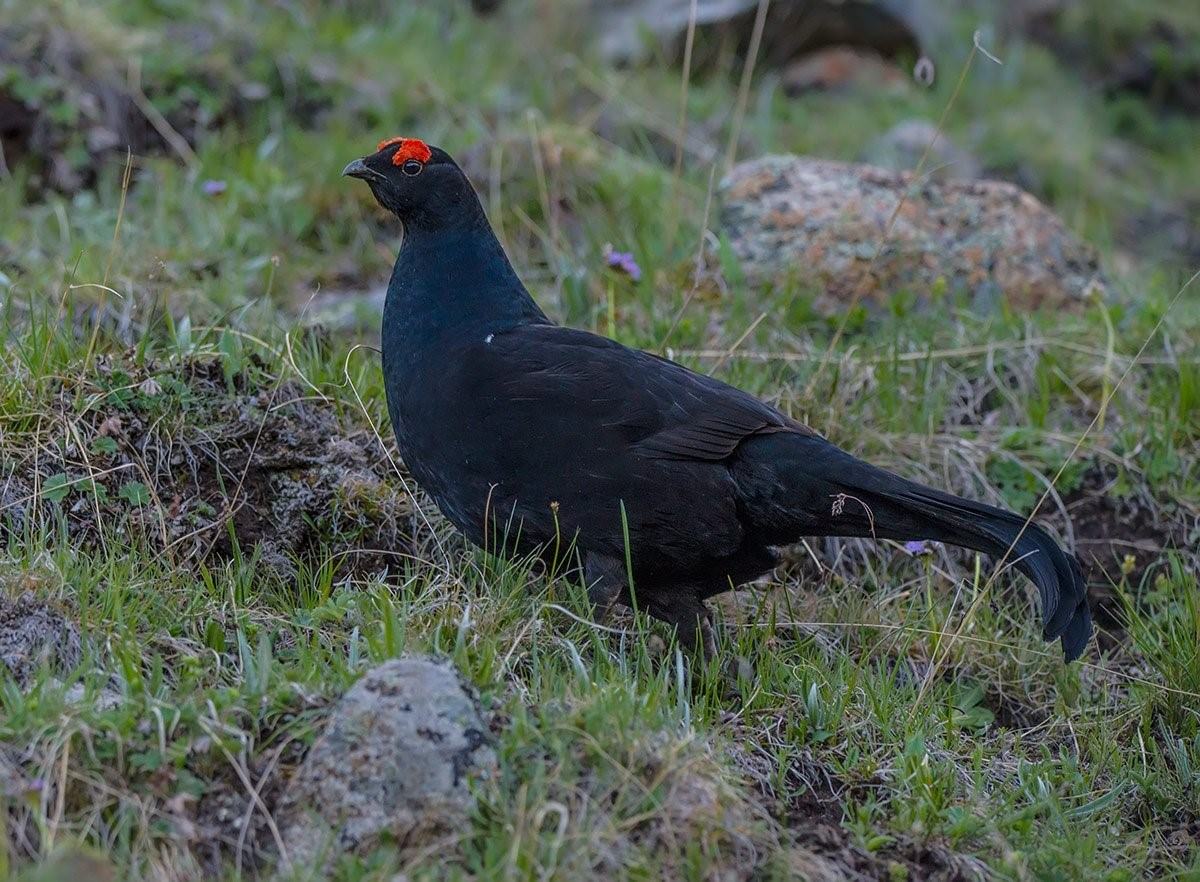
<point>902,146</point>
<point>348,311</point>
<point>33,633</point>
<point>105,699</point>
<point>820,222</point>
<point>396,759</point>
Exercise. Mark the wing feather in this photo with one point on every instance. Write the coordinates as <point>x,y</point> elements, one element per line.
<point>665,410</point>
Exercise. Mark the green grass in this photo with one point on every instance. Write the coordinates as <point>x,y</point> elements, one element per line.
<point>885,728</point>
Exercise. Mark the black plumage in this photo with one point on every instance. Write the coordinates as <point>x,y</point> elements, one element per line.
<point>531,436</point>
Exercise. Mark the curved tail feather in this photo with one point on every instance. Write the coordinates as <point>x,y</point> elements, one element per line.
<point>1057,575</point>
<point>878,504</point>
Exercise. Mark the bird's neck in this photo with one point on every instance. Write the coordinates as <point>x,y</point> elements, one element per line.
<point>450,280</point>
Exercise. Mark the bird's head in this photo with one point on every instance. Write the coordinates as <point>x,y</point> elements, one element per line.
<point>418,183</point>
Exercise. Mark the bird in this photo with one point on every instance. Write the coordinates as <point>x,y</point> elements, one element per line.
<point>667,486</point>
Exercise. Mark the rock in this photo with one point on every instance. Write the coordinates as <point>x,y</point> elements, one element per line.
<point>12,781</point>
<point>792,27</point>
<point>820,222</point>
<point>33,633</point>
<point>396,758</point>
<point>840,69</point>
<point>901,147</point>
<point>348,311</point>
<point>105,699</point>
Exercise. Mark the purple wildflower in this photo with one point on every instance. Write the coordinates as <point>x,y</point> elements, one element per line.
<point>917,547</point>
<point>622,261</point>
<point>213,188</point>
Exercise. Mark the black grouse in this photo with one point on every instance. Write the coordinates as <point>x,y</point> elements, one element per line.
<point>530,436</point>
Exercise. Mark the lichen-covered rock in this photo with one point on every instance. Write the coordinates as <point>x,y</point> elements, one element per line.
<point>395,761</point>
<point>820,222</point>
<point>33,633</point>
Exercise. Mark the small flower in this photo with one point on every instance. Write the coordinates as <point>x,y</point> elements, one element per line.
<point>917,547</point>
<point>1128,565</point>
<point>622,261</point>
<point>35,785</point>
<point>213,188</point>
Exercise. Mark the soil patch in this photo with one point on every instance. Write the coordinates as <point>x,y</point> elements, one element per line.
<point>198,460</point>
<point>821,849</point>
<point>1121,535</point>
<point>1011,713</point>
<point>229,825</point>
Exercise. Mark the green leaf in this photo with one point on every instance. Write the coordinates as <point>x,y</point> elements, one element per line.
<point>135,493</point>
<point>214,636</point>
<point>731,267</point>
<point>104,445</point>
<point>56,487</point>
<point>146,761</point>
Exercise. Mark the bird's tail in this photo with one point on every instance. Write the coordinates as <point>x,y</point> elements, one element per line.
<point>870,502</point>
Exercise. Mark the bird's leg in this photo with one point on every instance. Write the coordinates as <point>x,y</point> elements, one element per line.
<point>605,580</point>
<point>690,618</point>
<point>695,632</point>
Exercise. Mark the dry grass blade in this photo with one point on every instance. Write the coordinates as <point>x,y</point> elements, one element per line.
<point>684,82</point>
<point>743,97</point>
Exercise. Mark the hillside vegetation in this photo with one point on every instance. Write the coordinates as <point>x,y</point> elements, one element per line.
<point>207,536</point>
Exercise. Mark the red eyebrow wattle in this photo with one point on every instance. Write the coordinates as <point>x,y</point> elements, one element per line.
<point>410,148</point>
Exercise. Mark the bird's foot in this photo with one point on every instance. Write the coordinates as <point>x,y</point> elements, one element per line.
<point>605,580</point>
<point>738,674</point>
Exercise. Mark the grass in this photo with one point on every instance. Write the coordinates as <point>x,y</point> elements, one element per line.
<point>886,731</point>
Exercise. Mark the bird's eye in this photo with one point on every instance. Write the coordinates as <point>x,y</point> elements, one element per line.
<point>411,167</point>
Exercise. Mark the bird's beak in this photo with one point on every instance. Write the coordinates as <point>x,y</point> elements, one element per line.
<point>356,169</point>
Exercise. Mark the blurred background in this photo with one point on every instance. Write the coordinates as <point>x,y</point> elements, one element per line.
<point>574,120</point>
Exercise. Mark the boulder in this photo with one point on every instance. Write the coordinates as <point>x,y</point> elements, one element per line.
<point>395,762</point>
<point>820,222</point>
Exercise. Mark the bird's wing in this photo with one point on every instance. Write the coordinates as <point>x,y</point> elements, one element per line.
<point>663,409</point>
<point>714,429</point>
